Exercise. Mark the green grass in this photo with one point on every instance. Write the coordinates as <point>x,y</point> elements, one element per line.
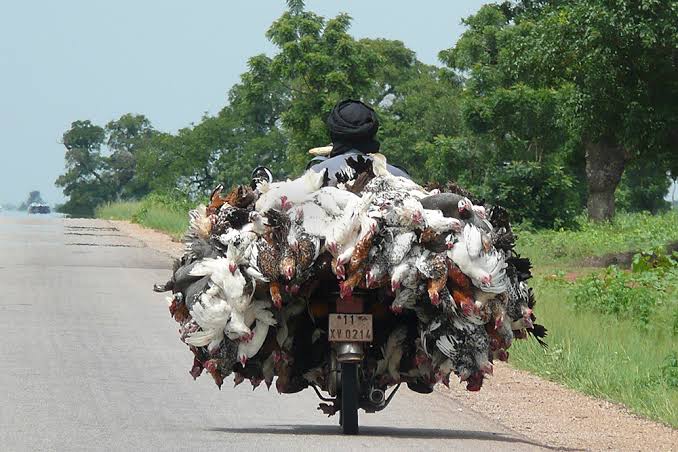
<point>118,210</point>
<point>600,355</point>
<point>628,232</point>
<point>605,353</point>
<point>156,212</point>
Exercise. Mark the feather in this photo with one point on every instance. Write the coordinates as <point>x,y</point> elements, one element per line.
<point>200,226</point>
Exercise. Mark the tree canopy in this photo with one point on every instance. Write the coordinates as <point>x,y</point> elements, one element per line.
<point>541,105</point>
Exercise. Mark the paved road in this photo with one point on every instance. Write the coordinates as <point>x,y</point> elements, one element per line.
<point>90,360</point>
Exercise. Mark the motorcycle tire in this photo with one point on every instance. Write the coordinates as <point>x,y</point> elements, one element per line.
<point>349,398</point>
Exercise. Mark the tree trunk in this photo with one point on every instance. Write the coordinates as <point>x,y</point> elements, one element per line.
<point>605,161</point>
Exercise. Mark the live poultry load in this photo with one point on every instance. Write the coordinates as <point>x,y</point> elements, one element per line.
<point>263,263</point>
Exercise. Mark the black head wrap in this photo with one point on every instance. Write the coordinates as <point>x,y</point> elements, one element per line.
<point>353,125</point>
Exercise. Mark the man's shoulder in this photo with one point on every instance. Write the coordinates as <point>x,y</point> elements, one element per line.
<point>356,161</point>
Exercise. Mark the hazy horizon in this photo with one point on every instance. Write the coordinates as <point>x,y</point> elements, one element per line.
<point>75,59</point>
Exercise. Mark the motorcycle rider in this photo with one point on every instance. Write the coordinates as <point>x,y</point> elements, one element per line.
<point>353,127</point>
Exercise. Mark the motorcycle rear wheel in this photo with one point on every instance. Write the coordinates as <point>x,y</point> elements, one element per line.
<point>349,398</point>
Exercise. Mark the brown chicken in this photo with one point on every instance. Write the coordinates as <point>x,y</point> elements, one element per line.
<point>216,201</point>
<point>346,287</point>
<point>197,368</point>
<point>360,252</point>
<point>427,235</point>
<point>212,366</point>
<point>288,264</point>
<point>240,196</point>
<point>434,286</point>
<point>274,288</point>
<point>464,299</point>
<point>179,311</point>
<point>435,271</point>
<point>457,277</point>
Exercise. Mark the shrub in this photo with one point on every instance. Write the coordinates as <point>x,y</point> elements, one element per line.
<point>645,295</point>
<point>544,194</point>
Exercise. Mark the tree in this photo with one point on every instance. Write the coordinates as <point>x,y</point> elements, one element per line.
<point>319,64</point>
<point>126,136</point>
<point>101,163</point>
<point>424,107</point>
<point>84,181</point>
<point>510,129</point>
<point>643,187</point>
<point>615,64</point>
<point>563,79</point>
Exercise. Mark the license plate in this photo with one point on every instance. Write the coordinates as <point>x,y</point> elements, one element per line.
<point>350,328</point>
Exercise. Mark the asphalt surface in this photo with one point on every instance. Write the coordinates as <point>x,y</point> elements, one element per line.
<point>91,360</point>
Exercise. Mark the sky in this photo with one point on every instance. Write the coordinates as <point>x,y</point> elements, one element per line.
<point>170,60</point>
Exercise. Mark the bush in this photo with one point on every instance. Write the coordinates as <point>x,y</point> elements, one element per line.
<point>647,294</point>
<point>542,194</point>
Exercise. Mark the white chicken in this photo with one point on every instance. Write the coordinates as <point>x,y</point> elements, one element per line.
<point>282,195</point>
<point>392,352</point>
<point>347,228</point>
<point>440,224</point>
<point>221,272</point>
<point>212,314</point>
<point>258,312</point>
<point>486,270</point>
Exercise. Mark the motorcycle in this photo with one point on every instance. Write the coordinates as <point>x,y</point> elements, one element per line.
<point>351,349</point>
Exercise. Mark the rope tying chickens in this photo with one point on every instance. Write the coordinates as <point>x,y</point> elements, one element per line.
<point>448,287</point>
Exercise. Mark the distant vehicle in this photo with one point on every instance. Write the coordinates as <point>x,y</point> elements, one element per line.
<point>36,207</point>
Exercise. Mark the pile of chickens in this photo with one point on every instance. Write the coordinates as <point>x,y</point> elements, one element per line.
<point>265,264</point>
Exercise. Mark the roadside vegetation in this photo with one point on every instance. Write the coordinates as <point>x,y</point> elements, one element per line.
<point>613,338</point>
<point>157,212</point>
<point>566,249</point>
<point>613,332</point>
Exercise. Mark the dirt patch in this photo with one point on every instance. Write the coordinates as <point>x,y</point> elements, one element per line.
<point>622,260</point>
<point>560,417</point>
<point>153,239</point>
